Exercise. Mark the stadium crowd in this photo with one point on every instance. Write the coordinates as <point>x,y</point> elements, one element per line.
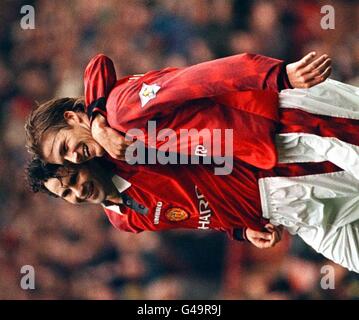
<point>75,252</point>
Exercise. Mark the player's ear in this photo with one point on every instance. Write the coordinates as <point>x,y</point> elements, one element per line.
<point>72,118</point>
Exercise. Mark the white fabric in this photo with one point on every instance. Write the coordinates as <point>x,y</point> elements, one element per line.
<point>330,98</point>
<point>303,147</point>
<point>121,185</point>
<point>322,209</point>
<point>292,148</point>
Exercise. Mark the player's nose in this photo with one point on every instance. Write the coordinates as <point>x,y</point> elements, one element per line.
<point>74,157</point>
<point>79,191</point>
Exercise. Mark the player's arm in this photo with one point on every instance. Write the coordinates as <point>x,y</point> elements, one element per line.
<point>99,79</point>
<point>214,78</point>
<point>240,72</point>
<point>171,88</point>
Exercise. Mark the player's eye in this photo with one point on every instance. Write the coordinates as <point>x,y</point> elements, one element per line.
<point>66,193</point>
<point>64,149</point>
<point>73,178</point>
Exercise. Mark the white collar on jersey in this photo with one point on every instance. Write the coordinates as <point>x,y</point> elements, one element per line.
<point>121,185</point>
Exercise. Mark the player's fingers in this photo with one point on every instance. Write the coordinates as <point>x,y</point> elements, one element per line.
<point>318,71</point>
<point>128,142</point>
<point>262,235</point>
<point>319,79</point>
<point>278,230</point>
<point>270,227</point>
<point>314,64</point>
<point>261,244</point>
<point>264,244</point>
<point>274,240</point>
<point>325,75</point>
<point>120,150</point>
<point>117,155</point>
<point>306,59</point>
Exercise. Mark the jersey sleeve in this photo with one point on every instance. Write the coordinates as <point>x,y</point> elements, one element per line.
<point>159,93</point>
<point>99,79</point>
<point>240,72</point>
<point>237,234</point>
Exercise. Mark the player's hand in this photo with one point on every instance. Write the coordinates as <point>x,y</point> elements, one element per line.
<point>265,239</point>
<point>112,141</point>
<point>309,71</point>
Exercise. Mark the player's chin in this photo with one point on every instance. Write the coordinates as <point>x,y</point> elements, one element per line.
<point>98,196</point>
<point>96,151</point>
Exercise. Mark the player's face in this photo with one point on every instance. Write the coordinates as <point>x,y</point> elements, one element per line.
<point>78,185</point>
<point>73,143</point>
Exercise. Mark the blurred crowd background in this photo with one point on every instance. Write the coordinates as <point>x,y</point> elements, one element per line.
<point>76,253</point>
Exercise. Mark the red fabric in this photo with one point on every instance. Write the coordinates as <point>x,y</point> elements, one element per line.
<point>231,201</point>
<point>294,120</point>
<point>227,202</point>
<point>299,169</point>
<point>99,78</point>
<point>238,92</point>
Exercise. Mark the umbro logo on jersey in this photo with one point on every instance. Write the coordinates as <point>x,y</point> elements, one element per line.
<point>158,212</point>
<point>148,92</point>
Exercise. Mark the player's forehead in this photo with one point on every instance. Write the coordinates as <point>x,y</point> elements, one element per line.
<point>57,184</point>
<point>51,143</point>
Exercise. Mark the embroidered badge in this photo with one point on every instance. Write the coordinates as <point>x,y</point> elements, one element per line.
<point>148,92</point>
<point>176,214</point>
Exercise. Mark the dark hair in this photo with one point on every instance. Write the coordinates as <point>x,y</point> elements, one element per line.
<point>49,115</point>
<point>38,173</point>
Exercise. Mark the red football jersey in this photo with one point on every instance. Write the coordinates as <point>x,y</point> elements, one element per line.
<point>193,197</point>
<point>238,92</point>
<point>189,196</point>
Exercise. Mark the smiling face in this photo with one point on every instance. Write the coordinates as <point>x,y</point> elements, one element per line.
<point>79,185</point>
<point>73,143</point>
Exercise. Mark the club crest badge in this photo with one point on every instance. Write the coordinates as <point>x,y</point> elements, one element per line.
<point>176,215</point>
<point>148,92</point>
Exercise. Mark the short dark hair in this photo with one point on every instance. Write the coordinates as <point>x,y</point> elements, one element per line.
<point>38,172</point>
<point>49,115</point>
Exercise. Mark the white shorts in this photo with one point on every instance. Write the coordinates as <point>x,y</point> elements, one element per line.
<point>323,209</point>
